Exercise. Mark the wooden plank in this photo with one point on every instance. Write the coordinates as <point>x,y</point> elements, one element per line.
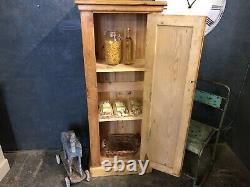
<point>120,2</point>
<point>140,42</point>
<point>172,63</point>
<point>87,23</point>
<point>120,86</point>
<point>199,25</point>
<point>145,129</point>
<point>120,127</point>
<point>127,118</point>
<point>138,65</point>
<point>136,157</point>
<point>100,172</point>
<point>163,168</point>
<point>120,8</point>
<point>169,77</point>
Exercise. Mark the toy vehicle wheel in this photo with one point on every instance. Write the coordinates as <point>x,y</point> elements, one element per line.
<point>67,181</point>
<point>87,175</point>
<point>58,159</point>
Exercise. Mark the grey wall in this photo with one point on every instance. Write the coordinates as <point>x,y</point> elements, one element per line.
<point>41,80</point>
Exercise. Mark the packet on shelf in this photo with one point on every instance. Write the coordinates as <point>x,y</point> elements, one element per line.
<point>105,109</point>
<point>120,109</point>
<point>134,107</point>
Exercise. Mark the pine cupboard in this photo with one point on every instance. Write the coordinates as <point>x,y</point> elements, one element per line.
<point>166,53</point>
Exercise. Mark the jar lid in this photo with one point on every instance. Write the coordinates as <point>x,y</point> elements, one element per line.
<point>113,34</point>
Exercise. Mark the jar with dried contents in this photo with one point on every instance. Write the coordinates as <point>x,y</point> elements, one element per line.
<point>112,47</point>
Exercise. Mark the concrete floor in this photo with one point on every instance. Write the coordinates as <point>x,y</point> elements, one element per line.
<point>39,168</point>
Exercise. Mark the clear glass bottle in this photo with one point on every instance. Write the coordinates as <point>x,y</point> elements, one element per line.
<point>112,47</point>
<point>128,48</point>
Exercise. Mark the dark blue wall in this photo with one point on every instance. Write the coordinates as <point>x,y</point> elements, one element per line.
<point>41,78</point>
<point>241,143</point>
<point>226,58</point>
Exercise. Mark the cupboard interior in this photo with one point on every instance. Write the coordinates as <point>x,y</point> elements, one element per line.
<point>121,86</point>
<point>120,136</point>
<point>127,145</point>
<point>137,23</point>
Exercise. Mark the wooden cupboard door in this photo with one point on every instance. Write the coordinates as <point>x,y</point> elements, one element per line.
<point>173,50</point>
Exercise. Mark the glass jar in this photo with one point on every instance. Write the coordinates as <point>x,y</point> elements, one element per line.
<point>112,47</point>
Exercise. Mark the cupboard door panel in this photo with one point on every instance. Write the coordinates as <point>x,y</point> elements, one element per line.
<point>167,91</point>
<point>172,60</point>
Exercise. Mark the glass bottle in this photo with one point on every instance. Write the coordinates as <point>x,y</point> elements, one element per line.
<point>128,48</point>
<point>112,47</point>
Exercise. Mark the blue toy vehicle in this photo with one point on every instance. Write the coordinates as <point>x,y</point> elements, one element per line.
<point>71,159</point>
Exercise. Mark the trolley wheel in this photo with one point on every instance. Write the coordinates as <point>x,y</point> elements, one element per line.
<point>58,159</point>
<point>67,181</point>
<point>87,175</point>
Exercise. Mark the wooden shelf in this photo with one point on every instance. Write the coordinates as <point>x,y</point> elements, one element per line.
<point>100,172</point>
<point>138,65</point>
<point>127,118</point>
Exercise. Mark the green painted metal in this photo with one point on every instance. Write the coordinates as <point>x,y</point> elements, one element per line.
<point>208,98</point>
<point>198,135</point>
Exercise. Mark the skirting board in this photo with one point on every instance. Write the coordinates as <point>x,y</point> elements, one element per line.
<point>4,168</point>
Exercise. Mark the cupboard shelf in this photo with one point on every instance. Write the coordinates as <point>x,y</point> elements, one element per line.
<point>127,118</point>
<point>138,65</point>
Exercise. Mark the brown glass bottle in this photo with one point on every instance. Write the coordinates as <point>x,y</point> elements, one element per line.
<point>128,48</point>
